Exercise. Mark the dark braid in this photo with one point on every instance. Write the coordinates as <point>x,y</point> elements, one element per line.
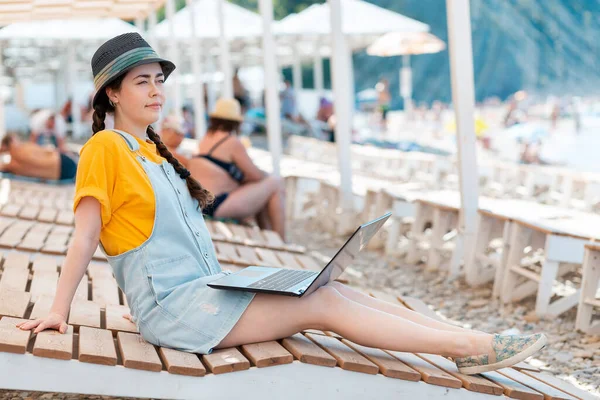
<point>103,106</point>
<point>203,196</point>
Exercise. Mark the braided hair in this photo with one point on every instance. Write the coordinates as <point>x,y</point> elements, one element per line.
<point>196,190</point>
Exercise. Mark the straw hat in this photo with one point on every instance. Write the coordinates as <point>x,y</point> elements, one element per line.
<point>228,109</point>
<point>119,55</point>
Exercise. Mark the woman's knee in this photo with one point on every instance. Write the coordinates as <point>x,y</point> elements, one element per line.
<point>276,184</point>
<point>327,302</point>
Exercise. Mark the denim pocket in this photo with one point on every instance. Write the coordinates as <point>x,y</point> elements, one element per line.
<point>166,275</point>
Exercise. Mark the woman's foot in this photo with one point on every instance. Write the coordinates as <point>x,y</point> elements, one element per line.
<point>507,350</point>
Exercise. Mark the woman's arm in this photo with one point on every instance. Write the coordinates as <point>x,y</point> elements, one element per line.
<point>87,236</point>
<point>240,157</point>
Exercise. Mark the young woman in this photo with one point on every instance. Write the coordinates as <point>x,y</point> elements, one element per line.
<point>34,161</point>
<point>224,168</point>
<point>145,209</point>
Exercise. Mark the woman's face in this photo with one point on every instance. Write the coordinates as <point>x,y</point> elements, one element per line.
<point>141,95</point>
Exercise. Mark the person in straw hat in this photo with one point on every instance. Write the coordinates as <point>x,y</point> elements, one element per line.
<point>172,133</point>
<point>144,208</point>
<point>224,167</point>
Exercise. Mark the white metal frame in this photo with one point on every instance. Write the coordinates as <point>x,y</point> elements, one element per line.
<point>290,381</point>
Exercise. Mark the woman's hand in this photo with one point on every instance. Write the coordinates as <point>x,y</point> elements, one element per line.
<point>51,321</point>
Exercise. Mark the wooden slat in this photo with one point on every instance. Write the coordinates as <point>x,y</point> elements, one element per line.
<point>307,351</point>
<point>65,217</point>
<point>105,291</point>
<point>53,344</point>
<point>16,260</point>
<point>222,229</point>
<point>272,238</point>
<point>388,365</point>
<point>33,241</point>
<point>56,245</point>
<point>11,238</point>
<point>238,231</point>
<point>288,260</point>
<point>512,388</point>
<point>11,210</point>
<point>181,363</point>
<point>248,255</point>
<point>561,385</point>
<point>13,303</point>
<point>225,360</point>
<point>473,383</point>
<point>228,253</point>
<point>84,313</point>
<point>308,262</point>
<point>13,339</point>
<point>29,212</point>
<point>267,354</point>
<point>137,353</point>
<point>42,307</point>
<point>429,373</point>
<point>98,270</point>
<point>115,320</point>
<point>254,235</point>
<point>14,279</point>
<point>97,346</point>
<point>549,392</point>
<point>43,283</point>
<point>268,258</point>
<point>44,263</point>
<point>347,358</point>
<point>47,215</point>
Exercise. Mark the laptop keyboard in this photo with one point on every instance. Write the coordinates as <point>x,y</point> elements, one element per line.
<point>281,280</point>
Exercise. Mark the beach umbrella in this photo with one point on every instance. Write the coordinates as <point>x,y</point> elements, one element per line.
<point>406,44</point>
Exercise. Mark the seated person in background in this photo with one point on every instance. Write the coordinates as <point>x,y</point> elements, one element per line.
<point>224,167</point>
<point>31,160</point>
<point>48,129</point>
<point>172,134</point>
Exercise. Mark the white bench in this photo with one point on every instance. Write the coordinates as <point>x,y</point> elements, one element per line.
<point>589,291</point>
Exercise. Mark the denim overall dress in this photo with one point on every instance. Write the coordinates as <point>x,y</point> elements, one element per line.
<point>164,279</point>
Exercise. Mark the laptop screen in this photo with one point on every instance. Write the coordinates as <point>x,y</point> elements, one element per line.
<point>349,251</point>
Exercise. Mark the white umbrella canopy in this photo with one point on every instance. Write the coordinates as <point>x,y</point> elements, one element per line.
<point>68,29</point>
<point>358,18</point>
<point>405,43</point>
<point>239,22</point>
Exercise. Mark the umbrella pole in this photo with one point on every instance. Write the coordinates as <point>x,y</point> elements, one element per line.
<point>225,57</point>
<point>198,97</point>
<point>406,86</point>
<point>343,112</point>
<point>272,106</point>
<point>463,97</point>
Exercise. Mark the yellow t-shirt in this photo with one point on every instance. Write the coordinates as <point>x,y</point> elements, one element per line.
<point>110,172</point>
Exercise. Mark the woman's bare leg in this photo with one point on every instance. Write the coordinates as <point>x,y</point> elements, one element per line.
<point>399,311</point>
<point>271,317</point>
<point>276,209</point>
<point>248,199</point>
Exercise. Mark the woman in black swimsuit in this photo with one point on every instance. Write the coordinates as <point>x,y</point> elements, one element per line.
<point>224,167</point>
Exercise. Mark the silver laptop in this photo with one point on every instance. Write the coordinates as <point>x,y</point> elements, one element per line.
<point>297,283</point>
